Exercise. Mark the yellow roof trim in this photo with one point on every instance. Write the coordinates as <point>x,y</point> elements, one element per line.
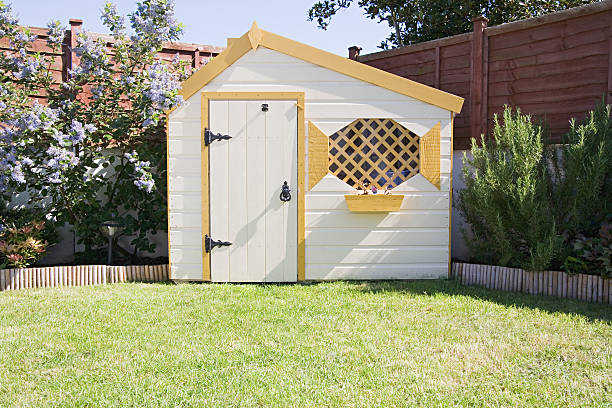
<point>256,37</point>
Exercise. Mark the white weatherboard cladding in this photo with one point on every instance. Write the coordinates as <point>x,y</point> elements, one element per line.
<point>408,244</point>
<point>185,190</point>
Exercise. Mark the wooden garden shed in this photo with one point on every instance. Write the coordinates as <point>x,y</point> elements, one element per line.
<point>266,156</point>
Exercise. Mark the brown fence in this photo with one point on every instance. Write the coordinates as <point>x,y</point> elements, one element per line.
<point>556,67</point>
<point>196,54</point>
<point>81,275</point>
<point>589,288</point>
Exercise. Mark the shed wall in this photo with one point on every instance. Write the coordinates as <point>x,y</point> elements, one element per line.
<point>410,243</point>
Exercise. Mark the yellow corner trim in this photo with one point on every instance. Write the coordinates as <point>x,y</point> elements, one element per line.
<point>318,155</point>
<point>257,37</point>
<point>429,151</point>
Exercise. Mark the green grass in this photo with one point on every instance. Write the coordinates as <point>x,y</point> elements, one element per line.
<point>332,344</point>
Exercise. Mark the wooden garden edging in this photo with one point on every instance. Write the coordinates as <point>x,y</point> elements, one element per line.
<point>590,288</point>
<point>81,275</point>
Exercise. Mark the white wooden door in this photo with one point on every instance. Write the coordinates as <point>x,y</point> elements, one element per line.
<point>246,177</point>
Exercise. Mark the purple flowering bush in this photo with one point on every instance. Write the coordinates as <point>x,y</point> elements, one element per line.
<point>95,149</point>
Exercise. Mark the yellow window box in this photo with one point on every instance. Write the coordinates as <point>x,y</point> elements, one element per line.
<point>374,203</point>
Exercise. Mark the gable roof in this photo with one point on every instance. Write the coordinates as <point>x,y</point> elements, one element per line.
<point>256,37</point>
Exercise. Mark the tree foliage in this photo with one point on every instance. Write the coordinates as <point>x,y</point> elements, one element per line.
<point>423,20</point>
<point>94,149</point>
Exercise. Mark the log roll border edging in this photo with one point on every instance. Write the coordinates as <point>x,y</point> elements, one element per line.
<point>590,288</point>
<point>79,275</point>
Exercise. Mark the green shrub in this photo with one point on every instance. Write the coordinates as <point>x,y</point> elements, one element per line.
<point>507,197</point>
<point>582,171</point>
<point>25,235</point>
<point>592,254</point>
<point>538,207</point>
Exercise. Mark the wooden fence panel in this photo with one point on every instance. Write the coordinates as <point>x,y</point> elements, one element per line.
<point>558,66</point>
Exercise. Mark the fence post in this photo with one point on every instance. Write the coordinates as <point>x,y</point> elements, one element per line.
<point>476,88</point>
<point>609,95</point>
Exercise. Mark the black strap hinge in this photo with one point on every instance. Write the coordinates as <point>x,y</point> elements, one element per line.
<point>210,243</point>
<point>210,137</point>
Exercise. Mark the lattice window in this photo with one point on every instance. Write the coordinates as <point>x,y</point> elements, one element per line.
<point>379,151</point>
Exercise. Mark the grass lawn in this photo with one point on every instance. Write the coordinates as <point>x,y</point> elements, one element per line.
<point>421,343</point>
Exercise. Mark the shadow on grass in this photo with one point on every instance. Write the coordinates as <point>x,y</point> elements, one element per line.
<point>453,288</point>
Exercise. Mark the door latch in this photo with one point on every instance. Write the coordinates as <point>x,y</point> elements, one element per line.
<point>285,194</point>
<point>210,137</point>
<point>210,243</point>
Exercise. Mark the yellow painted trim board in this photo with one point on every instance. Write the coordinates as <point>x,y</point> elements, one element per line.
<point>318,155</point>
<point>429,153</point>
<point>299,99</point>
<point>205,190</point>
<point>450,197</point>
<point>257,37</point>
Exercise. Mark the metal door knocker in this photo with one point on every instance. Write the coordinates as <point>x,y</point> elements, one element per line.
<point>285,194</point>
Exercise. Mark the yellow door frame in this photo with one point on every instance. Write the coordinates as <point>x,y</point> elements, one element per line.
<point>299,100</point>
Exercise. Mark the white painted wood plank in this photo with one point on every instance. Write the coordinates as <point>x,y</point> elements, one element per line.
<point>257,203</point>
<point>412,201</point>
<point>184,148</point>
<point>188,272</point>
<point>185,201</point>
<point>184,183</point>
<point>291,207</point>
<point>276,173</point>
<point>237,196</point>
<point>182,219</point>
<point>184,129</point>
<point>369,272</point>
<point>419,126</point>
<point>420,183</point>
<point>409,219</point>
<point>219,192</point>
<point>367,236</point>
<point>184,237</point>
<point>314,90</point>
<point>189,110</point>
<point>376,255</point>
<point>187,255</point>
<point>373,109</point>
<point>185,166</point>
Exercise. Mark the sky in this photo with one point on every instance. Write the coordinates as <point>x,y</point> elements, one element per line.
<point>211,22</point>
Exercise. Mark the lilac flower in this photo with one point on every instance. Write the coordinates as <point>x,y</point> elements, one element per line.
<point>144,179</point>
<point>132,157</point>
<point>2,105</point>
<point>155,19</point>
<point>21,38</point>
<point>36,117</point>
<point>55,33</point>
<point>111,18</point>
<point>163,86</point>
<point>27,68</point>
<point>8,21</point>
<point>92,53</point>
<point>148,122</point>
<point>61,159</point>
<point>146,185</point>
<point>55,177</point>
<point>17,174</point>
